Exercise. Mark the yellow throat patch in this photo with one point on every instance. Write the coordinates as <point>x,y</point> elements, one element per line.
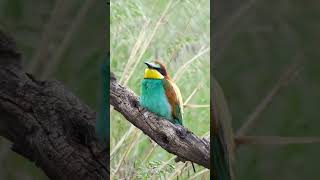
<point>152,74</point>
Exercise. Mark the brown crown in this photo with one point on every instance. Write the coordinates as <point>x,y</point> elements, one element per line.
<point>163,69</point>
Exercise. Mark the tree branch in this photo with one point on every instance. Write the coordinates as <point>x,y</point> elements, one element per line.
<point>46,123</point>
<point>173,138</point>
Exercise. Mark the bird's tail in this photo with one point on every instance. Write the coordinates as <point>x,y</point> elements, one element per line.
<point>220,164</point>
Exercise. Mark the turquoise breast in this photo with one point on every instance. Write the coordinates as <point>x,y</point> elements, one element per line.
<point>153,98</point>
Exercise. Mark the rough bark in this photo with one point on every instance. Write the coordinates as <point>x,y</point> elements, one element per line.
<point>174,138</point>
<point>46,123</point>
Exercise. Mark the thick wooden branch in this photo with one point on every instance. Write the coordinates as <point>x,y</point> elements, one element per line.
<point>173,138</point>
<point>46,123</point>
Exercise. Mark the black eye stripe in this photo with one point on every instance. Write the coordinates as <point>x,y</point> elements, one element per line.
<point>161,71</point>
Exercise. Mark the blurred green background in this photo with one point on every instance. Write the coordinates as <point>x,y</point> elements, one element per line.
<point>252,50</point>
<point>178,33</point>
<point>70,38</point>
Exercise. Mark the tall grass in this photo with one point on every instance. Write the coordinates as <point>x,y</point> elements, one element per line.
<point>178,33</point>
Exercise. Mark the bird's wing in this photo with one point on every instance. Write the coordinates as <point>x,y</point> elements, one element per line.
<point>175,99</point>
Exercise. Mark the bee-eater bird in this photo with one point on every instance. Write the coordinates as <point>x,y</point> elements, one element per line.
<point>160,95</point>
<point>102,123</point>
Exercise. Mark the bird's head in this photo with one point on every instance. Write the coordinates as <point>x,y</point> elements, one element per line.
<point>155,70</point>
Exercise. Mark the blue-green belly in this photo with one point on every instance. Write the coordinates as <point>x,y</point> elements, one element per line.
<point>153,98</point>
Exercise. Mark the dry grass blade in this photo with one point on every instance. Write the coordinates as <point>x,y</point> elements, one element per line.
<point>134,51</point>
<point>120,143</point>
<point>165,163</point>
<point>206,134</point>
<point>125,155</point>
<point>49,69</point>
<point>57,13</point>
<point>275,140</point>
<point>196,105</point>
<point>174,157</point>
<point>147,42</point>
<point>154,146</point>
<point>291,72</point>
<point>192,94</point>
<point>185,165</point>
<point>175,52</point>
<point>177,171</point>
<point>199,174</point>
<point>180,71</point>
